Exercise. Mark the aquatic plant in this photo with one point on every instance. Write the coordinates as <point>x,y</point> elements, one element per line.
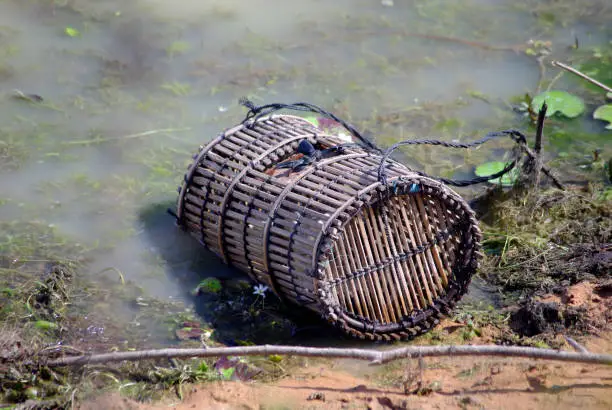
<point>560,102</point>
<point>604,113</point>
<point>210,285</point>
<point>260,290</point>
<point>490,168</point>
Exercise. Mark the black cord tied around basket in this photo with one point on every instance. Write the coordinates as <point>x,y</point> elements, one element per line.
<point>310,155</point>
<point>256,113</point>
<point>518,137</point>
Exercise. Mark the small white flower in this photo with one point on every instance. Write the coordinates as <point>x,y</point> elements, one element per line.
<point>260,290</point>
<point>222,108</point>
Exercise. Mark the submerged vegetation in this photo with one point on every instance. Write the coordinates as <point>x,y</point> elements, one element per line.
<point>88,167</point>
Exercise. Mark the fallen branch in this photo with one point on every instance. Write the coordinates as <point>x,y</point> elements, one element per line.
<point>577,346</point>
<point>373,356</point>
<point>582,75</point>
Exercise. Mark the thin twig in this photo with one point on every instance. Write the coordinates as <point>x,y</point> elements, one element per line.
<point>58,348</point>
<point>72,398</point>
<point>485,46</point>
<point>125,137</point>
<point>554,80</point>
<point>373,356</point>
<point>113,269</point>
<point>582,75</point>
<point>358,34</point>
<point>542,73</point>
<point>579,348</point>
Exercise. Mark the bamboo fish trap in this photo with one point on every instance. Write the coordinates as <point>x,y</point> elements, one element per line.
<point>381,260</point>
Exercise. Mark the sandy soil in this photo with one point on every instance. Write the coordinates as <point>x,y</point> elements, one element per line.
<point>462,383</point>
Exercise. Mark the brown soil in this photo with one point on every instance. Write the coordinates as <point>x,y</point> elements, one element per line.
<point>463,383</point>
<point>596,299</point>
<point>457,383</point>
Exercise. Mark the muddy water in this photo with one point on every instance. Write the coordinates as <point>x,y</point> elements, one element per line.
<point>130,89</point>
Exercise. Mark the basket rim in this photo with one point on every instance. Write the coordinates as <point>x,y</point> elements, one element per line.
<point>470,262</point>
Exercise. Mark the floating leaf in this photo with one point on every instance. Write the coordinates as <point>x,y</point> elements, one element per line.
<point>604,113</point>
<point>313,120</point>
<point>559,101</point>
<point>44,325</point>
<point>494,167</point>
<point>210,285</point>
<point>72,32</point>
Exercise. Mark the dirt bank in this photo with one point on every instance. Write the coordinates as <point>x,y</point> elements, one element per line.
<point>461,383</point>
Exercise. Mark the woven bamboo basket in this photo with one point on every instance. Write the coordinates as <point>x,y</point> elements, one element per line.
<point>380,261</point>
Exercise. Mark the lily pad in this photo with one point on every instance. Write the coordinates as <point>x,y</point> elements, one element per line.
<point>560,102</point>
<point>493,167</point>
<point>604,113</point>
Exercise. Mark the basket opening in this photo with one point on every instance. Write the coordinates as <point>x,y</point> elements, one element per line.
<point>382,273</point>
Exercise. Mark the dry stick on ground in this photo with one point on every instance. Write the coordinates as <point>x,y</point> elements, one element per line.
<point>373,356</point>
<point>579,348</point>
<point>582,75</point>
